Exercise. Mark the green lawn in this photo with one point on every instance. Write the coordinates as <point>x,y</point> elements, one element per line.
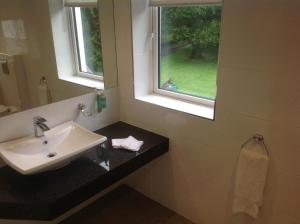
<point>191,76</point>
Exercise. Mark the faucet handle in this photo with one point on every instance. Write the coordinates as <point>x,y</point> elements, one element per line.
<point>82,108</point>
<point>39,119</point>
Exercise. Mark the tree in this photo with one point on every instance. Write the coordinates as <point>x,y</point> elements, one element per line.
<point>92,39</point>
<point>197,26</point>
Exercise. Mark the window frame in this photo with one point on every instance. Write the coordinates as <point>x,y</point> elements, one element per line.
<point>74,42</point>
<point>156,16</point>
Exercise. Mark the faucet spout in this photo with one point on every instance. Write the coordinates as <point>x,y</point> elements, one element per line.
<point>39,126</point>
<point>43,127</point>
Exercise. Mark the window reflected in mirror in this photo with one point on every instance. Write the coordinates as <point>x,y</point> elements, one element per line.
<point>43,43</point>
<point>87,39</point>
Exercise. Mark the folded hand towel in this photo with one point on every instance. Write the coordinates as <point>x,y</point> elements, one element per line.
<point>250,181</point>
<point>117,143</point>
<point>132,144</point>
<point>129,143</point>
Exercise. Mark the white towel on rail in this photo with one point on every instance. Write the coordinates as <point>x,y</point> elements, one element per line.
<point>250,180</point>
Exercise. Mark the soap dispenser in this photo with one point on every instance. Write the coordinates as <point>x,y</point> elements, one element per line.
<point>100,100</point>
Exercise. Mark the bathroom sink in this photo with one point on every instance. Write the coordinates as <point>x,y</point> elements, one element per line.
<point>58,147</point>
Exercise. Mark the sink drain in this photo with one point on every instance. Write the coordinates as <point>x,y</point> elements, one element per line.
<point>51,155</point>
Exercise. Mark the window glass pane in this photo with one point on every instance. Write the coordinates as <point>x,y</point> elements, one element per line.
<point>189,42</point>
<point>88,40</point>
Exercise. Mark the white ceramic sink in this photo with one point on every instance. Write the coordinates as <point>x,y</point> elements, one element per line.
<point>58,147</point>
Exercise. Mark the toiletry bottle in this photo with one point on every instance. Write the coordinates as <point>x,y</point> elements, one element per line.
<point>101,101</point>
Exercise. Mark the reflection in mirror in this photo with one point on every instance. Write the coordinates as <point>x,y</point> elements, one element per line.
<point>51,51</point>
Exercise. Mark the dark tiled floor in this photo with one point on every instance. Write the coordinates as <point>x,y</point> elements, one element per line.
<point>126,206</point>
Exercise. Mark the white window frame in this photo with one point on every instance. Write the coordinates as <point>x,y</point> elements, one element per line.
<point>156,70</point>
<point>77,53</point>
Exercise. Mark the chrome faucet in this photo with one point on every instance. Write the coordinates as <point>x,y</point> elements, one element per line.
<point>82,108</point>
<point>39,126</point>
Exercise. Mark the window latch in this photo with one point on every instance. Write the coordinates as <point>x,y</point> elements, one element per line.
<point>152,35</point>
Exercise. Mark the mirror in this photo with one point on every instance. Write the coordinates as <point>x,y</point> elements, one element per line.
<point>41,56</point>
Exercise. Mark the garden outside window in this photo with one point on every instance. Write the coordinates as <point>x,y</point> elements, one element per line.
<point>85,27</point>
<point>186,48</point>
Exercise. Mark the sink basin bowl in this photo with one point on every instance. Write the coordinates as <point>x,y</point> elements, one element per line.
<point>58,147</point>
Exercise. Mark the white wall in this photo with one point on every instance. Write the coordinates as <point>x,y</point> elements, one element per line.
<point>258,91</point>
<point>16,45</point>
<point>40,60</point>
<point>13,45</point>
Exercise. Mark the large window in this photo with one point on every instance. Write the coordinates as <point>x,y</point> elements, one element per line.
<point>87,41</point>
<point>186,55</point>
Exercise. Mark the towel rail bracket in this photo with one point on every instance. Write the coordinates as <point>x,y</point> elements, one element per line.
<point>258,138</point>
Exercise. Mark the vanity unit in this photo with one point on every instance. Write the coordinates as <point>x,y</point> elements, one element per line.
<point>48,195</point>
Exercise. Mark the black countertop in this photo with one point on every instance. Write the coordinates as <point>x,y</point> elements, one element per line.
<point>48,195</point>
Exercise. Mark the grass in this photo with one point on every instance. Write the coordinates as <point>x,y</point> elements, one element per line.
<point>191,76</point>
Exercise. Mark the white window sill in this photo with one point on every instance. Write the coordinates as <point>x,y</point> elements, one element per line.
<point>92,83</point>
<point>179,105</point>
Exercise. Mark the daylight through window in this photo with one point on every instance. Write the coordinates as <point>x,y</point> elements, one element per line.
<point>188,43</point>
<point>88,41</point>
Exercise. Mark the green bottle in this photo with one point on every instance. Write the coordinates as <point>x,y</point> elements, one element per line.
<point>101,100</point>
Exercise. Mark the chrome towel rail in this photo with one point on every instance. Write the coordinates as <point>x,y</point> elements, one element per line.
<point>4,59</point>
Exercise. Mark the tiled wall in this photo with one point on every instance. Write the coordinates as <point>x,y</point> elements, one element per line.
<point>258,92</point>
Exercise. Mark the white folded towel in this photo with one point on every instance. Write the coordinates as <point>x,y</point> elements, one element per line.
<point>129,143</point>
<point>117,143</point>
<point>250,180</point>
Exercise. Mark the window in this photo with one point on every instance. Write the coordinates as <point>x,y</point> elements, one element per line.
<point>87,41</point>
<point>186,51</point>
<point>71,31</point>
<point>175,47</point>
